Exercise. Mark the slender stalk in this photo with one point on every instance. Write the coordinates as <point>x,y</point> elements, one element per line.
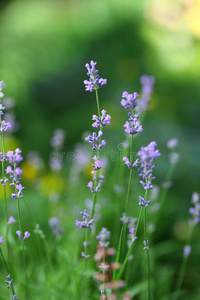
<point>4,188</point>
<point>183,266</point>
<point>130,175</point>
<point>22,242</point>
<point>119,274</point>
<point>7,268</point>
<point>147,252</point>
<point>97,172</point>
<point>98,107</point>
<point>85,248</point>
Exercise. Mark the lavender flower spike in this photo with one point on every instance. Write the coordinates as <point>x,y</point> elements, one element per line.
<point>103,236</point>
<point>103,121</point>
<point>128,163</point>
<point>1,240</point>
<point>147,156</point>
<point>95,82</point>
<point>85,223</point>
<point>133,126</point>
<point>130,100</point>
<point>2,87</point>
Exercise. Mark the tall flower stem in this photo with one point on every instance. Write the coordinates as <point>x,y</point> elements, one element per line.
<point>7,267</point>
<point>85,249</point>
<point>183,266</point>
<point>147,248</point>
<point>22,242</point>
<point>4,187</point>
<point>119,274</point>
<point>130,176</point>
<point>97,172</point>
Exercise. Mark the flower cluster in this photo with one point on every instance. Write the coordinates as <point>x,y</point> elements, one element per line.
<point>14,158</point>
<point>132,126</point>
<point>147,156</point>
<point>8,281</point>
<point>129,164</point>
<point>97,143</point>
<point>103,236</point>
<point>85,223</point>
<point>130,100</point>
<point>195,210</point>
<point>2,87</point>
<point>143,202</point>
<point>103,121</point>
<point>95,140</point>
<point>1,240</point>
<point>94,82</point>
<point>3,124</point>
<point>26,235</point>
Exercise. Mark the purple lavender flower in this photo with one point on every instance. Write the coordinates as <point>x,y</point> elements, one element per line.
<point>84,255</point>
<point>26,235</point>
<point>128,163</point>
<point>195,210</point>
<point>103,236</point>
<point>13,297</point>
<point>2,157</point>
<point>130,100</point>
<point>94,139</point>
<point>85,223</point>
<point>1,239</point>
<point>146,245</point>
<point>147,156</point>
<point>96,188</point>
<point>97,163</point>
<point>8,281</point>
<point>1,109</point>
<point>2,87</point>
<point>147,88</point>
<point>186,250</point>
<point>143,202</point>
<point>4,126</point>
<point>95,82</point>
<point>14,158</point>
<point>133,126</point>
<point>103,121</point>
<point>11,220</point>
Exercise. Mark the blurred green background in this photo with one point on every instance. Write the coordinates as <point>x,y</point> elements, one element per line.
<point>44,46</point>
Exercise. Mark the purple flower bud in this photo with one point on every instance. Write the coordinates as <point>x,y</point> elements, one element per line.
<point>1,239</point>
<point>186,250</point>
<point>11,220</point>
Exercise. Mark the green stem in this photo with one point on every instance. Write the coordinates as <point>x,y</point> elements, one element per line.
<point>85,248</point>
<point>147,247</point>
<point>4,187</point>
<point>7,268</point>
<point>98,107</point>
<point>183,266</point>
<point>97,172</point>
<point>119,274</point>
<point>130,176</point>
<point>22,242</point>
